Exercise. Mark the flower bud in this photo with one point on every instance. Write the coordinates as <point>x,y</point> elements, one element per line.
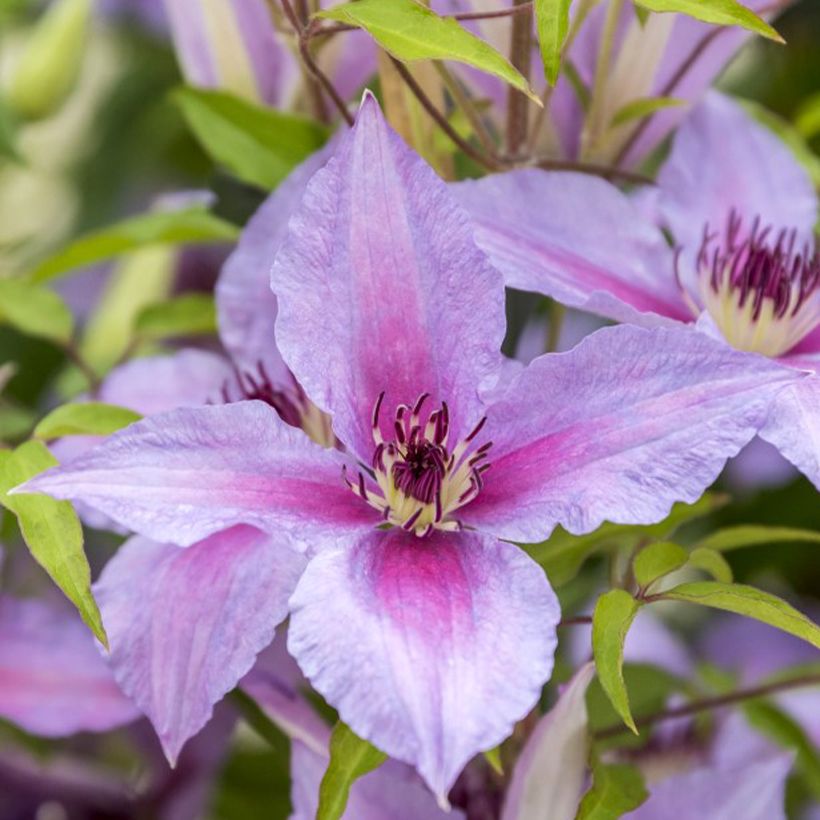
<point>231,45</point>
<point>50,65</point>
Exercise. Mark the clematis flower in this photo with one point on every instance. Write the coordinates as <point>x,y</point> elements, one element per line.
<point>235,45</point>
<point>428,633</point>
<point>745,270</point>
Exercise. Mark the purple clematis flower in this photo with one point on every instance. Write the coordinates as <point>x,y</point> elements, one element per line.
<point>745,270</point>
<point>429,634</point>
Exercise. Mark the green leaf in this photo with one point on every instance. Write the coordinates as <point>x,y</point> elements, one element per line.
<point>616,790</point>
<point>8,134</point>
<point>552,22</point>
<point>750,535</point>
<point>611,620</point>
<point>259,145</point>
<point>712,562</point>
<point>562,555</point>
<point>411,31</point>
<point>159,228</point>
<point>350,758</point>
<point>773,722</point>
<point>807,121</point>
<point>643,107</point>
<point>493,757</point>
<point>719,12</point>
<point>51,530</point>
<point>748,601</point>
<point>35,311</point>
<point>91,418</point>
<point>189,315</point>
<point>657,560</point>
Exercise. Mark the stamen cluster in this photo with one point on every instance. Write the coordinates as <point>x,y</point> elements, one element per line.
<point>421,482</point>
<point>290,402</point>
<point>760,288</point>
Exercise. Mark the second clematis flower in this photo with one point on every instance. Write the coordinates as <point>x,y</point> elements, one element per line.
<point>415,617</point>
<point>744,268</point>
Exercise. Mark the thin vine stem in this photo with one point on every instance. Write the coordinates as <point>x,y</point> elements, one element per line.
<point>707,704</point>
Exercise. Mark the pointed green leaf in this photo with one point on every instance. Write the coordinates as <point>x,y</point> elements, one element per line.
<point>643,107</point>
<point>51,530</point>
<point>657,560</point>
<point>411,31</point>
<point>719,12</point>
<point>611,620</point>
<point>260,145</point>
<point>615,790</point>
<point>807,121</point>
<point>750,535</point>
<point>712,562</point>
<point>35,310</point>
<point>493,757</point>
<point>552,23</point>
<point>91,418</point>
<point>350,758</point>
<point>189,315</point>
<point>159,228</point>
<point>748,601</point>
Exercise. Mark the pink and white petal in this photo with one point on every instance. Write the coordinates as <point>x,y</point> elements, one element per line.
<point>185,625</point>
<point>793,426</point>
<point>577,239</point>
<point>430,648</point>
<point>549,775</point>
<point>245,303</point>
<point>722,159</point>
<point>619,429</point>
<point>382,288</point>
<point>753,791</point>
<point>181,476</point>
<point>53,680</point>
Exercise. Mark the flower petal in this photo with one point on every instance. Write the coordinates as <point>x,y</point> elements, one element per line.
<point>577,239</point>
<point>181,476</point>
<point>245,302</point>
<point>793,426</point>
<point>381,288</point>
<point>53,680</point>
<point>551,769</point>
<point>186,624</point>
<point>619,428</point>
<point>753,791</point>
<point>722,159</point>
<point>430,648</point>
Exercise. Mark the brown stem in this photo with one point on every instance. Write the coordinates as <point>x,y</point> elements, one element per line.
<point>576,621</point>
<point>609,172</point>
<point>486,161</point>
<point>707,704</point>
<point>521,59</point>
<point>76,358</point>
<point>465,103</point>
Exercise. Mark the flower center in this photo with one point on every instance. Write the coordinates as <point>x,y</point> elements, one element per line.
<point>421,481</point>
<point>762,291</point>
<point>290,402</point>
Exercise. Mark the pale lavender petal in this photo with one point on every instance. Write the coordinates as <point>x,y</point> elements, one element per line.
<point>231,45</point>
<point>619,428</point>
<point>181,476</point>
<point>577,239</point>
<point>722,160</point>
<point>53,680</point>
<point>793,426</point>
<point>381,288</point>
<point>245,302</point>
<point>430,648</point>
<point>186,624</point>
<point>552,767</point>
<point>754,791</point>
